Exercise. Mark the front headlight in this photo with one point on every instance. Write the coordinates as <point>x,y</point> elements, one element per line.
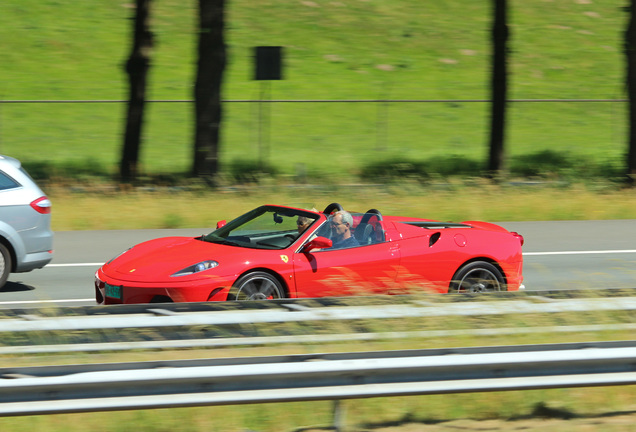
<point>196,268</point>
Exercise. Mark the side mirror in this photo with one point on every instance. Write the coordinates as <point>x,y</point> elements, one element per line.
<point>220,224</point>
<point>317,243</point>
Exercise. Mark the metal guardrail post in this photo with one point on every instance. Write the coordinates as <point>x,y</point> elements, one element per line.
<point>338,415</point>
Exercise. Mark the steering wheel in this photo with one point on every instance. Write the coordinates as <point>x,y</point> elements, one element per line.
<point>331,207</point>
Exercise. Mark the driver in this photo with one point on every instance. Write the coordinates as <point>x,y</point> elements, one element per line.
<point>341,223</point>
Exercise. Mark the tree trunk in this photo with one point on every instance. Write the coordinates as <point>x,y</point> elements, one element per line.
<point>499,87</point>
<point>630,54</point>
<point>137,69</point>
<point>207,89</point>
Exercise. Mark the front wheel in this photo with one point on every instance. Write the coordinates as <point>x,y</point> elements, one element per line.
<point>476,277</point>
<point>5,264</point>
<point>257,286</point>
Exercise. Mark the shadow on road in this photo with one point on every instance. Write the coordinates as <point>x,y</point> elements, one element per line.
<point>16,287</point>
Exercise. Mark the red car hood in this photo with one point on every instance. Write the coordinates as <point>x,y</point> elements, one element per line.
<point>156,260</point>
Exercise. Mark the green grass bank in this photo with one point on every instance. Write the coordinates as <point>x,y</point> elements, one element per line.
<point>422,50</point>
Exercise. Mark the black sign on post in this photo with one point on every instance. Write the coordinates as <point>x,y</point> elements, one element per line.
<point>267,67</point>
<point>268,63</point>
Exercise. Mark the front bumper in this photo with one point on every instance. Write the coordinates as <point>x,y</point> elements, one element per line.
<point>112,291</point>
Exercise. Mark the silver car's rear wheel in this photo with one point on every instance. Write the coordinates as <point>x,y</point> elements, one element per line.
<point>257,286</point>
<point>476,277</point>
<point>5,264</point>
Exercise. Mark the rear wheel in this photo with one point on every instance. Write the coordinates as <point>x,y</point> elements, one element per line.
<point>5,264</point>
<point>478,276</point>
<point>257,286</point>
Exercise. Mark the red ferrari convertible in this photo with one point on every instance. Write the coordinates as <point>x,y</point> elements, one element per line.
<point>277,252</point>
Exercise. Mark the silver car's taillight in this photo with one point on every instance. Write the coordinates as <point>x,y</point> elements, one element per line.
<point>42,205</point>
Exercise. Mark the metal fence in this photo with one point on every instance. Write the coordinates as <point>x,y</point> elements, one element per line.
<point>290,311</point>
<point>169,384</point>
<point>41,390</point>
<point>173,321</point>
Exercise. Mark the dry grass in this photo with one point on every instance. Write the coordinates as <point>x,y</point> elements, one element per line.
<point>103,209</point>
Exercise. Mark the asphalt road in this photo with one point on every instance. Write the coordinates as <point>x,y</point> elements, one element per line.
<point>557,255</point>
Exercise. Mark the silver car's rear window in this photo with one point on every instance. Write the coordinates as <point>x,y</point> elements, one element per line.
<point>7,182</point>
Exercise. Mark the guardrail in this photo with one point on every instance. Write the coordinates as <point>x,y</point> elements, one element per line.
<point>238,324</point>
<point>163,384</point>
<point>224,342</point>
<point>290,311</point>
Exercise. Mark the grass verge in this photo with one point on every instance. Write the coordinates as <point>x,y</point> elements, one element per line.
<point>107,206</point>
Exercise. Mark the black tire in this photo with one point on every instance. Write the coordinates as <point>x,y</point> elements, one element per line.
<point>476,277</point>
<point>257,286</point>
<point>5,264</point>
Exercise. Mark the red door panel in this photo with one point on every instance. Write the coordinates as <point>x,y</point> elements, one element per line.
<point>360,270</point>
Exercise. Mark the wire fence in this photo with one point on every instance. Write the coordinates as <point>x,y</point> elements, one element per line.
<point>47,101</point>
<point>301,137</point>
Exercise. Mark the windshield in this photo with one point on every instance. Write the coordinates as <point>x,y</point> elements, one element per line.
<point>265,227</point>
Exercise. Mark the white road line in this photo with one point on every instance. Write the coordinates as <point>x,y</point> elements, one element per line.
<point>580,252</point>
<point>76,265</point>
<point>47,301</point>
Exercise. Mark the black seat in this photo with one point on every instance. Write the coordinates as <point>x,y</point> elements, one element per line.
<point>364,233</point>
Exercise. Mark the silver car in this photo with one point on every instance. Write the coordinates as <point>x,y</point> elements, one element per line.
<point>26,239</point>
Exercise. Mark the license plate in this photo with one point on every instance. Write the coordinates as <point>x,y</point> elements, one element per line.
<point>113,291</point>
